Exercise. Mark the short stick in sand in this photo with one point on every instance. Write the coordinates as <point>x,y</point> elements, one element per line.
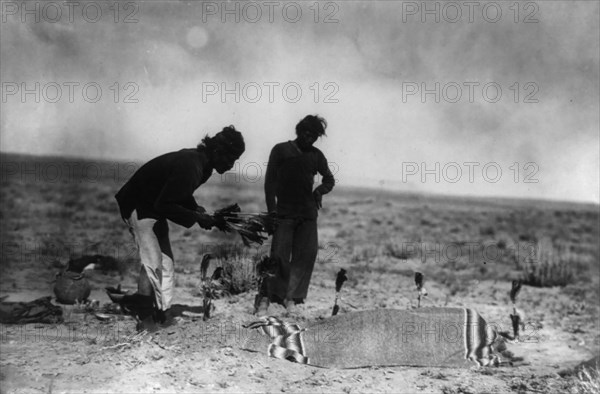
<point>339,281</point>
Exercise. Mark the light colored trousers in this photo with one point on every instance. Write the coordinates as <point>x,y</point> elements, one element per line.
<point>152,239</point>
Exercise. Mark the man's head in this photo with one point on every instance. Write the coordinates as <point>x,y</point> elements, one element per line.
<point>309,130</point>
<point>225,148</point>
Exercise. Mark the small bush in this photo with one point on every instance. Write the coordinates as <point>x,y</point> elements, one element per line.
<point>527,237</point>
<point>362,254</point>
<point>550,266</point>
<point>239,275</point>
<point>238,266</point>
<point>458,389</point>
<point>400,251</point>
<point>425,222</point>
<point>487,231</point>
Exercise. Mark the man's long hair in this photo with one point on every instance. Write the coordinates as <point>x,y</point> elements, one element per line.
<point>312,123</point>
<point>228,139</point>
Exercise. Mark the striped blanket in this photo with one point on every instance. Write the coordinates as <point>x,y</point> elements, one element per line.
<point>432,337</point>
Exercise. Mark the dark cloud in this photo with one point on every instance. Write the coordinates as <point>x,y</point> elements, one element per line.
<point>174,47</point>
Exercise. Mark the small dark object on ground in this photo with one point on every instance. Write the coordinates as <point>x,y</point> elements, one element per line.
<point>114,290</point>
<point>208,285</point>
<point>422,292</point>
<point>79,264</point>
<point>38,311</point>
<point>99,262</point>
<point>340,279</point>
<point>419,280</point>
<point>71,287</point>
<point>336,309</point>
<point>515,317</point>
<point>514,291</point>
<point>137,305</point>
<point>516,323</point>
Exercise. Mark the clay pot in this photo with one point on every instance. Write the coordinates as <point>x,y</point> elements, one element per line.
<point>71,287</point>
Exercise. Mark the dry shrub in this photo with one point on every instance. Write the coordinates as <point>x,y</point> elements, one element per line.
<point>551,265</point>
<point>239,275</point>
<point>455,284</point>
<point>238,265</point>
<point>364,253</point>
<point>588,381</point>
<point>538,384</point>
<point>400,250</point>
<point>457,389</point>
<point>489,231</point>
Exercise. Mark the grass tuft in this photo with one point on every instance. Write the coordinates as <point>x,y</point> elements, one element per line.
<point>239,274</point>
<point>588,381</point>
<point>239,269</point>
<point>551,265</point>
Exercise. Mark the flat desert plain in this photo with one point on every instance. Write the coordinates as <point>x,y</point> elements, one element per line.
<point>470,250</point>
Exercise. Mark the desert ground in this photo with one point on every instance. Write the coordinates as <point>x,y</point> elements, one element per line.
<point>469,250</point>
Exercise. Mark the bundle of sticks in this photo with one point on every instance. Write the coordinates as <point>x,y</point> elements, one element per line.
<point>252,227</point>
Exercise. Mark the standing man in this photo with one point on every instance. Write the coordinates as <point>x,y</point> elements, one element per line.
<point>162,190</point>
<point>289,194</point>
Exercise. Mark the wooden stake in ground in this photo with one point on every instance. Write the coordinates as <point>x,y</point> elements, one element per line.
<point>206,287</point>
<point>422,292</point>
<point>339,281</point>
<point>515,317</point>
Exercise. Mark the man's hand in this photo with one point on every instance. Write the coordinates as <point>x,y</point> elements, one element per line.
<point>205,220</point>
<point>271,223</point>
<point>318,199</point>
<point>220,223</point>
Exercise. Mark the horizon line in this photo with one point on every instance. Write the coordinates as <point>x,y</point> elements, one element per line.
<point>373,187</point>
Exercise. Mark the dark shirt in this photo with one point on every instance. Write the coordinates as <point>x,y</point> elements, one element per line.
<point>164,187</point>
<point>290,178</point>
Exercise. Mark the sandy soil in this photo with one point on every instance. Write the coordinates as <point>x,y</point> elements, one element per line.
<point>380,238</point>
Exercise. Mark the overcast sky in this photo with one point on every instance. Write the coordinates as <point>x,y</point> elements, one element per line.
<point>509,91</point>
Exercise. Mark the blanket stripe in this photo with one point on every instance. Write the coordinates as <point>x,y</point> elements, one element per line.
<point>455,337</point>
